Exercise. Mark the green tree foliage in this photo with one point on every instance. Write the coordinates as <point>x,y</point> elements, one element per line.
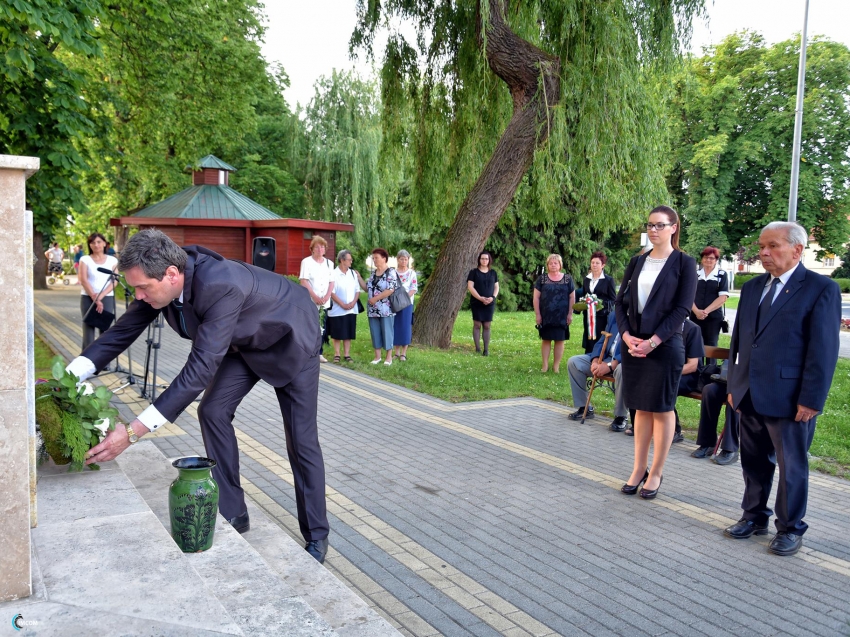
<point>733,124</point>
<point>343,179</point>
<point>843,271</point>
<point>42,112</point>
<point>270,161</point>
<point>178,79</point>
<point>470,80</point>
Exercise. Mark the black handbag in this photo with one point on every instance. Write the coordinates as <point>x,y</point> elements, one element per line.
<point>100,321</point>
<point>399,299</point>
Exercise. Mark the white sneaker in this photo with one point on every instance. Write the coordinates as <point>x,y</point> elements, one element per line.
<point>322,359</point>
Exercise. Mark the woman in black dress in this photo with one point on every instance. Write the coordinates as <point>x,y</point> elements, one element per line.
<point>483,285</point>
<point>602,286</point>
<point>712,293</point>
<point>554,297</point>
<point>654,299</point>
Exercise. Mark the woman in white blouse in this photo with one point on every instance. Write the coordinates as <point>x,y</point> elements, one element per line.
<point>97,286</point>
<point>342,316</point>
<point>654,300</point>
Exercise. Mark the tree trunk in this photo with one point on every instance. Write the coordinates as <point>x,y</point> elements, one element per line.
<point>533,78</point>
<point>39,262</point>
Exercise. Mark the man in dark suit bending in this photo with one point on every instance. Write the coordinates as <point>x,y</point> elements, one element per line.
<point>245,324</point>
<point>781,362</point>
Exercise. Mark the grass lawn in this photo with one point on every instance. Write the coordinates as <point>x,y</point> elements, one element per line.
<point>513,370</point>
<point>43,356</point>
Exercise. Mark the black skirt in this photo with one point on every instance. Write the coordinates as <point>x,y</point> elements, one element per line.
<point>554,333</point>
<point>342,328</point>
<point>480,312</point>
<point>652,383</point>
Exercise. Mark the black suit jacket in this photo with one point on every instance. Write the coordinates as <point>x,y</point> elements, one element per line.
<point>790,360</point>
<point>668,304</point>
<point>228,306</point>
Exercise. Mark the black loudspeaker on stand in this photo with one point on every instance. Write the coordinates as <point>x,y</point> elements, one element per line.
<point>264,255</point>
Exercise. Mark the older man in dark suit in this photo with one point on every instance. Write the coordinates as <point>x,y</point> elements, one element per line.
<point>783,356</point>
<point>245,324</point>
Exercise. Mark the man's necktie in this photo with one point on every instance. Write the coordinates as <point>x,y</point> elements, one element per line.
<point>179,307</point>
<point>766,302</point>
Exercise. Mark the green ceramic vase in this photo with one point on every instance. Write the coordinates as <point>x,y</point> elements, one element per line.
<point>193,504</point>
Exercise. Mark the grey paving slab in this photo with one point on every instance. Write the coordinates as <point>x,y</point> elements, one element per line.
<point>526,505</point>
<point>87,494</point>
<point>149,579</point>
<point>51,619</point>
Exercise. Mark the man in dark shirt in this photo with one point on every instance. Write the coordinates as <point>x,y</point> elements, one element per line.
<point>689,382</point>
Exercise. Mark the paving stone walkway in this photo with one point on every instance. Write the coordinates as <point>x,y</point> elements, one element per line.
<point>502,517</point>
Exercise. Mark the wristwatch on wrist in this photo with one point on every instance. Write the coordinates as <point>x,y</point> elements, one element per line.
<point>132,434</point>
<point>652,344</point>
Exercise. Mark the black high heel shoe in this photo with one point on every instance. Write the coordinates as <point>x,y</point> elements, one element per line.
<point>646,494</point>
<point>629,489</point>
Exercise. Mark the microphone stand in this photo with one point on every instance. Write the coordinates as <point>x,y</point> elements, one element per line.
<point>114,276</point>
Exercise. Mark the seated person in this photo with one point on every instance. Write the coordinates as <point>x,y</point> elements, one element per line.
<point>694,353</point>
<point>713,398</point>
<point>584,366</point>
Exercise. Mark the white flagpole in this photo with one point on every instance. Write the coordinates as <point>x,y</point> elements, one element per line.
<point>798,121</point>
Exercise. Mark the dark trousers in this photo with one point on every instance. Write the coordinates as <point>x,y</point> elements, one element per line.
<point>687,383</point>
<point>713,399</point>
<point>766,442</point>
<point>298,405</point>
<point>710,328</point>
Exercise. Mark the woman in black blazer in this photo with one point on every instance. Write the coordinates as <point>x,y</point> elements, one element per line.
<point>598,283</point>
<point>654,300</point>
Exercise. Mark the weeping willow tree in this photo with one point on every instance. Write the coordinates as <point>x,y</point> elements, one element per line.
<point>490,83</point>
<point>345,182</point>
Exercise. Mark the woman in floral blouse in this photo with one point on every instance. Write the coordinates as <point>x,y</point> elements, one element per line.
<point>380,286</point>
<point>404,319</point>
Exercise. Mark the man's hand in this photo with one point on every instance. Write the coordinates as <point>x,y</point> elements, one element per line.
<point>599,369</point>
<point>805,414</point>
<point>115,443</point>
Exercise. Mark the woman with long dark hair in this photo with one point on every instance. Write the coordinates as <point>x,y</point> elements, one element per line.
<point>654,300</point>
<point>483,284</point>
<point>97,286</point>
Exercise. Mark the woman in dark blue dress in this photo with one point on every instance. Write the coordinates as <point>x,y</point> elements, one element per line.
<point>554,297</point>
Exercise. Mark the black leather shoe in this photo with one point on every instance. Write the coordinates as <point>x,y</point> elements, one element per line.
<point>646,494</point>
<point>629,489</point>
<point>725,457</point>
<point>677,437</point>
<point>241,523</point>
<point>578,415</point>
<point>318,549</point>
<point>745,528</point>
<point>703,452</point>
<point>785,544</point>
<point>619,424</point>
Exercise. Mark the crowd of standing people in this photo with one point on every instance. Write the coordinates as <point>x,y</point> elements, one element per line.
<point>649,335</point>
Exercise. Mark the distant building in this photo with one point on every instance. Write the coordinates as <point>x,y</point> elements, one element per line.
<point>216,216</point>
<point>823,266</point>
